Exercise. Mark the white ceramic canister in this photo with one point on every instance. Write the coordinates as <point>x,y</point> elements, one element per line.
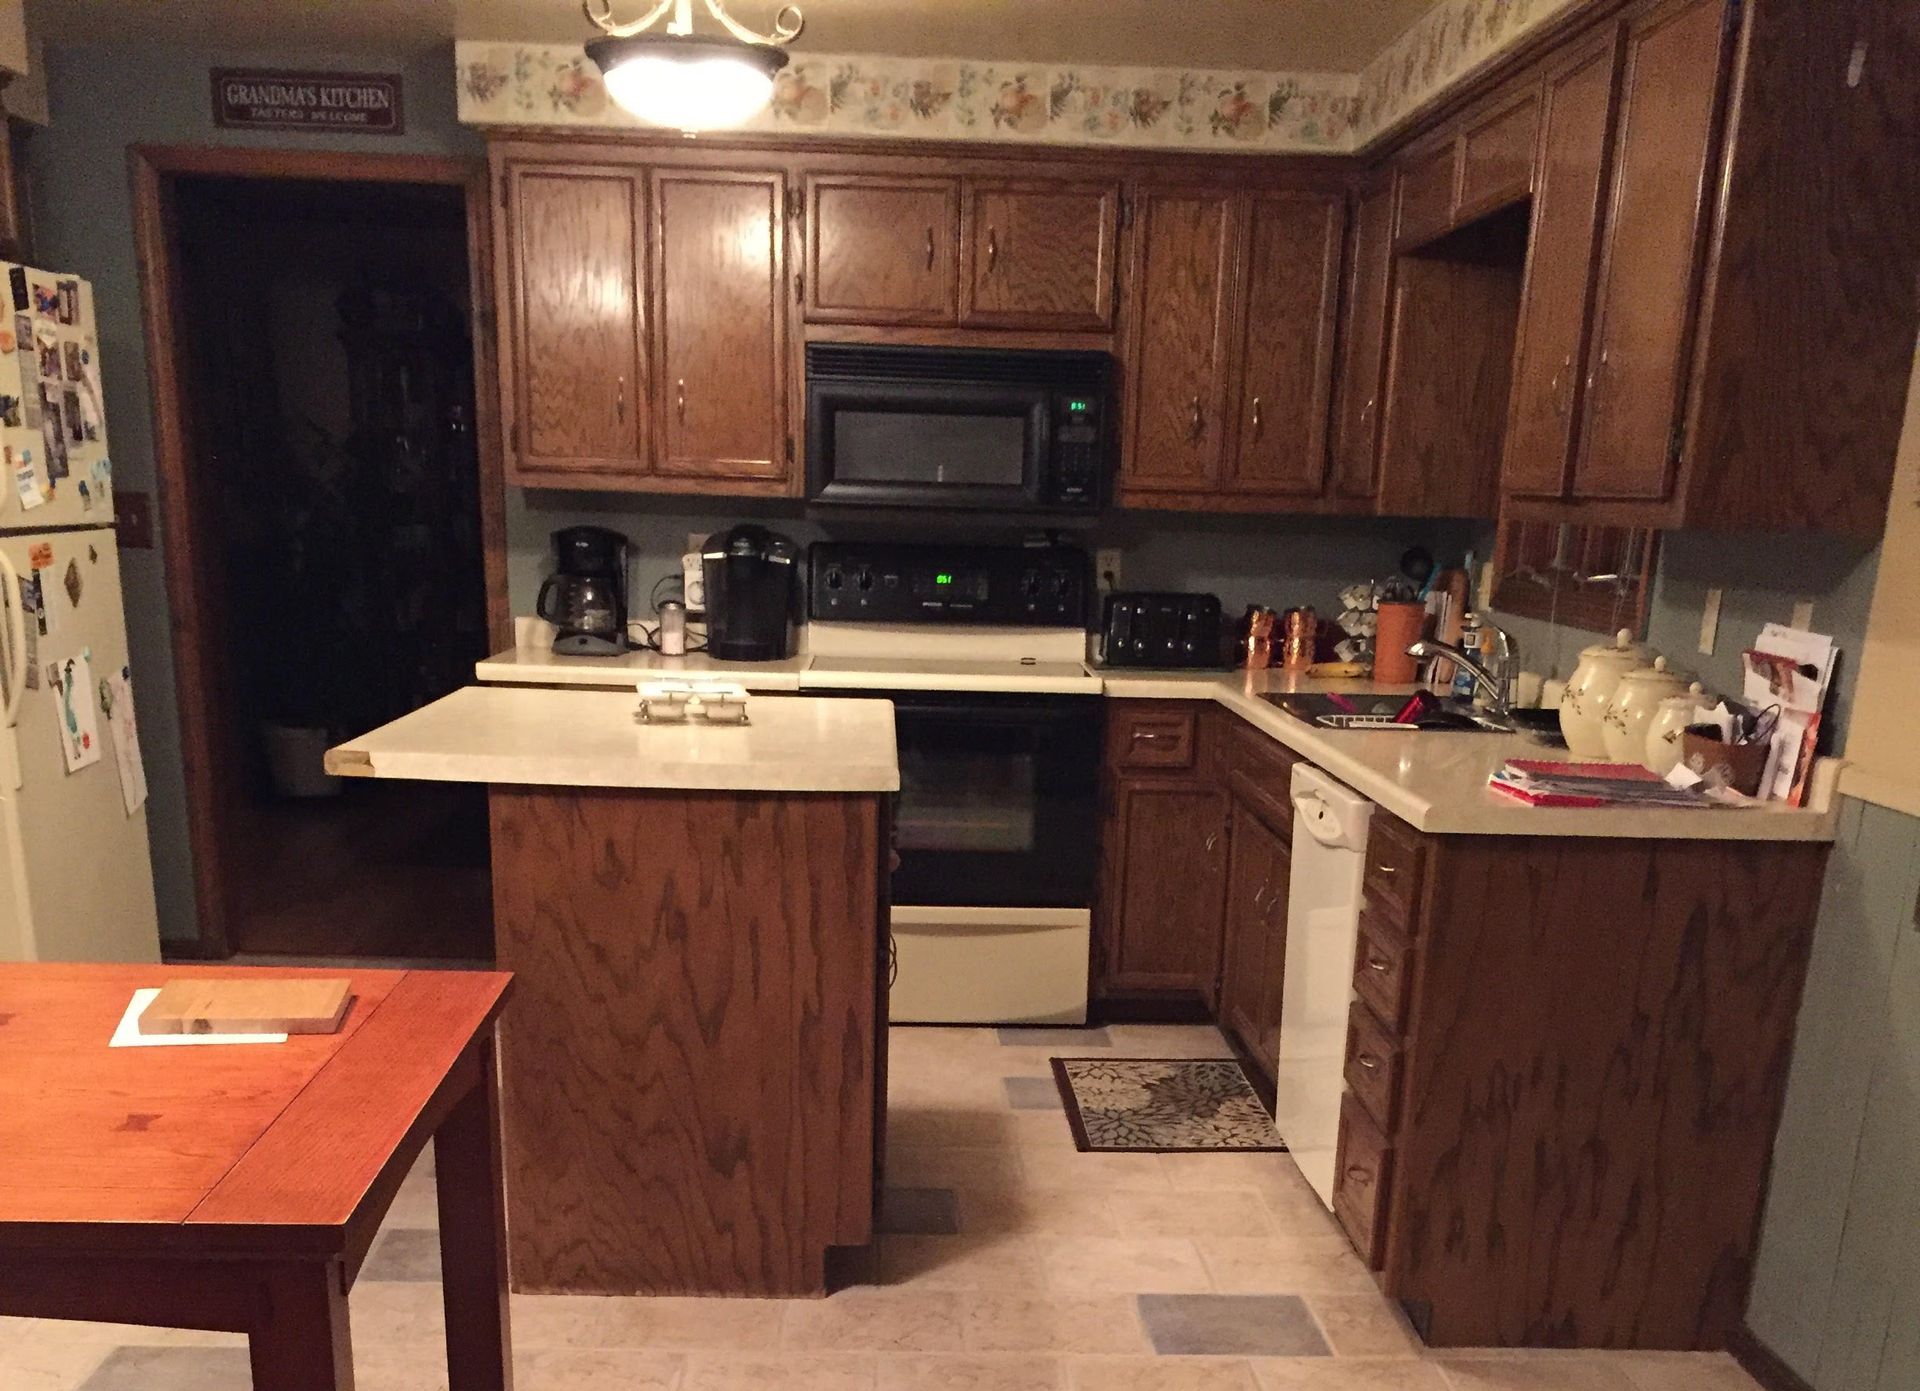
<point>1670,719</point>
<point>1631,708</point>
<point>1584,702</point>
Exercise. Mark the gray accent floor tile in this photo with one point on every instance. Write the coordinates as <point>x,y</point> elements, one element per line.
<point>404,1253</point>
<point>1064,1039</point>
<point>919,1212</point>
<point>172,1369</point>
<point>1033,1093</point>
<point>1231,1325</point>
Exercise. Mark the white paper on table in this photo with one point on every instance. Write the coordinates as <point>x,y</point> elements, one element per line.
<point>79,728</point>
<point>126,740</point>
<point>128,1034</point>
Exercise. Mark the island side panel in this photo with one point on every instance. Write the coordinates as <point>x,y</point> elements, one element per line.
<point>1598,1054</point>
<point>690,1064</point>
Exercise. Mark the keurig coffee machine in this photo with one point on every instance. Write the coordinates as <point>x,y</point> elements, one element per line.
<point>586,596</point>
<point>750,575</point>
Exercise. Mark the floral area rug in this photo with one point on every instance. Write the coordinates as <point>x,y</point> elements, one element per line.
<point>1163,1105</point>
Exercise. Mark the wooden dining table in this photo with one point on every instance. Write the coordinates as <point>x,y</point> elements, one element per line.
<point>239,1187</point>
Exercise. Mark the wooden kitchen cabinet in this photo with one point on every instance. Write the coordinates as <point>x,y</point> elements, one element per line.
<point>1363,344</point>
<point>1254,956</point>
<point>1163,861</point>
<point>882,249</point>
<point>574,362</point>
<point>1039,255</point>
<point>720,324</point>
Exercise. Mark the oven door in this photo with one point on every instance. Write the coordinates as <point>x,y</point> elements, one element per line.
<point>999,800</point>
<point>973,445</point>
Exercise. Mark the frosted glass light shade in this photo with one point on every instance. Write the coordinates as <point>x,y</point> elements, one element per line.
<point>687,83</point>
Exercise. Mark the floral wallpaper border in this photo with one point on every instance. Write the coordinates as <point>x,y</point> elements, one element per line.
<point>545,84</point>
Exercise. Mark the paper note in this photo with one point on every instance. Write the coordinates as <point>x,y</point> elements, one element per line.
<point>126,740</point>
<point>79,726</point>
<point>26,479</point>
<point>128,1035</point>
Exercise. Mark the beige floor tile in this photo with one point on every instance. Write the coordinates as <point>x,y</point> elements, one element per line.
<point>1168,1041</point>
<point>417,1203</point>
<point>1066,1168</point>
<point>1685,1371</point>
<point>1159,1374</point>
<point>403,1313</point>
<point>1258,1170</point>
<point>1280,1265</point>
<point>877,1320</point>
<point>1543,1372</point>
<point>1209,1212</point>
<point>1347,1374</point>
<point>1125,1265</point>
<point>952,1125</point>
<point>1005,1372</point>
<point>29,1362</point>
<point>731,1325</point>
<point>1014,1321</point>
<point>789,1372</point>
<point>1060,1211</point>
<point>420,1366</point>
<point>1043,1130</point>
<point>1363,1325</point>
<point>917,1166</point>
<point>595,1369</point>
<point>993,1262</point>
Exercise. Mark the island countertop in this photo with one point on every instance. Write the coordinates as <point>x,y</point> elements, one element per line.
<point>549,738</point>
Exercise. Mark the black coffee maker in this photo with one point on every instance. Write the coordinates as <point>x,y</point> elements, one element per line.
<point>586,596</point>
<point>750,576</point>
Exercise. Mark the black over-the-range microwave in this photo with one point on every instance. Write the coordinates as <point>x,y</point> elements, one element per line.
<point>968,428</point>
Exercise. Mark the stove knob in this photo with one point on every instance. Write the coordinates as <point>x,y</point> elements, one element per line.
<point>864,580</point>
<point>1030,584</point>
<point>834,578</point>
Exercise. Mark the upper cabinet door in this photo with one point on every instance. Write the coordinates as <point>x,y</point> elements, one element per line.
<point>572,291</point>
<point>1039,255</point>
<point>1292,298</point>
<point>1657,218</point>
<point>1356,421</point>
<point>719,324</point>
<point>1176,392</point>
<point>1553,306</point>
<point>881,249</point>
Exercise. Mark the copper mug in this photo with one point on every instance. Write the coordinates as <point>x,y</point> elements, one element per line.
<point>1302,636</point>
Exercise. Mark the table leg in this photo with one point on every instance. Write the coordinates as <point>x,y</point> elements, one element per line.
<point>473,1237</point>
<point>300,1340</point>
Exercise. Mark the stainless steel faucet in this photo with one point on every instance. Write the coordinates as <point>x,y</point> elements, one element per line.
<point>1491,673</point>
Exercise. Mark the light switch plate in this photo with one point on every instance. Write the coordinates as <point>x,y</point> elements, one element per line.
<point>1710,622</point>
<point>1106,568</point>
<point>1803,615</point>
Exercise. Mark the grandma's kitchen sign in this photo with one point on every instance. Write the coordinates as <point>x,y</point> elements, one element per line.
<point>256,99</point>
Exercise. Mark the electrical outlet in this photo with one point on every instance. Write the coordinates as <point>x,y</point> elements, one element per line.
<point>1710,622</point>
<point>1803,616</point>
<point>1106,568</point>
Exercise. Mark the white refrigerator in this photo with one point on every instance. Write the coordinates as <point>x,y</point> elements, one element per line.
<point>76,883</point>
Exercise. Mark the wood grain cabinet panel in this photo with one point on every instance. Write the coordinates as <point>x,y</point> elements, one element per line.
<point>1356,420</point>
<point>1155,738</point>
<point>1659,204</point>
<point>1039,255</point>
<point>1257,878</point>
<point>881,249</point>
<point>1497,156</point>
<point>1426,183</point>
<point>1175,858</point>
<point>1544,407</point>
<point>573,291</point>
<point>1182,270</point>
<point>719,323</point>
<point>1292,279</point>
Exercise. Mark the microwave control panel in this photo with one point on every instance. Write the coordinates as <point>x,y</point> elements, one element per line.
<point>1039,586</point>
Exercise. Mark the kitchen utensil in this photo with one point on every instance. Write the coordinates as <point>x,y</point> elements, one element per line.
<point>586,596</point>
<point>1630,709</point>
<point>1417,565</point>
<point>1399,628</point>
<point>1670,720</point>
<point>248,1007</point>
<point>1584,702</point>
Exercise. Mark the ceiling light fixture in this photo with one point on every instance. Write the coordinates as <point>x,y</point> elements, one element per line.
<point>684,81</point>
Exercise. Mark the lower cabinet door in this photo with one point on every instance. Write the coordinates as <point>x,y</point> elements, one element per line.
<point>1256,876</point>
<point>1162,924</point>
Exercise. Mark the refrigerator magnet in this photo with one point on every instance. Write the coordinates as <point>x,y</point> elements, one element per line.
<point>79,725</point>
<point>73,582</point>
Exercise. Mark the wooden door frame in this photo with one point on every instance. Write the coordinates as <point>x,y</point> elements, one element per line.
<point>154,171</point>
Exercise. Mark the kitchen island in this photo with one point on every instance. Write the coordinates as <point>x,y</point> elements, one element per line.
<point>693,1069</point>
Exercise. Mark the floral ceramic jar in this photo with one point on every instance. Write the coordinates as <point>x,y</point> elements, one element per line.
<point>1583,705</point>
<point>1631,709</point>
<point>1670,720</point>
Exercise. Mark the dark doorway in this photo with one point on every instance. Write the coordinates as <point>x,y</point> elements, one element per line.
<point>326,359</point>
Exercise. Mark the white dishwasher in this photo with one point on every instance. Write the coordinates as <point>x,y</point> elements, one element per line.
<point>1323,925</point>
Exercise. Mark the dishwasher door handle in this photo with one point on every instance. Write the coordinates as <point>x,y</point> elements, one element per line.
<point>1318,819</point>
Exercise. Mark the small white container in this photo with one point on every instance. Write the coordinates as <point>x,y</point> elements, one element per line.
<point>1670,720</point>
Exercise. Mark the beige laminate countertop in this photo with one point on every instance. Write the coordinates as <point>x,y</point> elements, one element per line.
<point>549,738</point>
<point>1434,782</point>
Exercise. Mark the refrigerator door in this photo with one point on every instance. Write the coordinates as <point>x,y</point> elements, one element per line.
<point>53,429</point>
<point>76,883</point>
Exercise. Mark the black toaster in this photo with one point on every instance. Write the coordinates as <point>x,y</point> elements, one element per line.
<point>1161,630</point>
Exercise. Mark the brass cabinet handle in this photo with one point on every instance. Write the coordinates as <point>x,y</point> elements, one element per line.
<point>1368,1061</point>
<point>1197,424</point>
<point>1359,1174</point>
<point>1213,839</point>
<point>1563,396</point>
<point>1595,379</point>
<point>929,248</point>
<point>993,250</point>
<point>680,398</point>
<point>620,400</point>
<point>1366,412</point>
<point>1385,869</point>
<point>1151,736</point>
<point>1378,963</point>
<point>1257,423</point>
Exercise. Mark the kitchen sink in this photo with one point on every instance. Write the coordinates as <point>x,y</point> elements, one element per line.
<point>1331,711</point>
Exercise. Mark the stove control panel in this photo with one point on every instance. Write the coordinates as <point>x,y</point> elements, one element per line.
<point>1035,586</point>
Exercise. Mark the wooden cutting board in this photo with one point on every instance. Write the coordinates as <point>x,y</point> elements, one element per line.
<point>214,1006</point>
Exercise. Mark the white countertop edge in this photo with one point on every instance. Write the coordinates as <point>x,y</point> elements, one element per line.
<point>662,775</point>
<point>1892,793</point>
<point>960,685</point>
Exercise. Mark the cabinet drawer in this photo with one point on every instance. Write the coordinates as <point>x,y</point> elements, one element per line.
<point>1396,854</point>
<point>1362,1169</point>
<point>1496,161</point>
<point>1383,971</point>
<point>1155,738</point>
<point>1426,195</point>
<point>1260,774</point>
<point>1373,1066</point>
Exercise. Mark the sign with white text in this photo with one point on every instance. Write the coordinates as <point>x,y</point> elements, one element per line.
<point>255,99</point>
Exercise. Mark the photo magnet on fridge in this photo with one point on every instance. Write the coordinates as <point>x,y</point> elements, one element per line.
<point>79,725</point>
<point>17,280</point>
<point>10,412</point>
<point>70,405</point>
<point>67,304</point>
<point>73,582</point>
<point>46,301</point>
<point>73,359</point>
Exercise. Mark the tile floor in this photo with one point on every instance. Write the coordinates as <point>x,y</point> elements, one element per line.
<point>1011,1263</point>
